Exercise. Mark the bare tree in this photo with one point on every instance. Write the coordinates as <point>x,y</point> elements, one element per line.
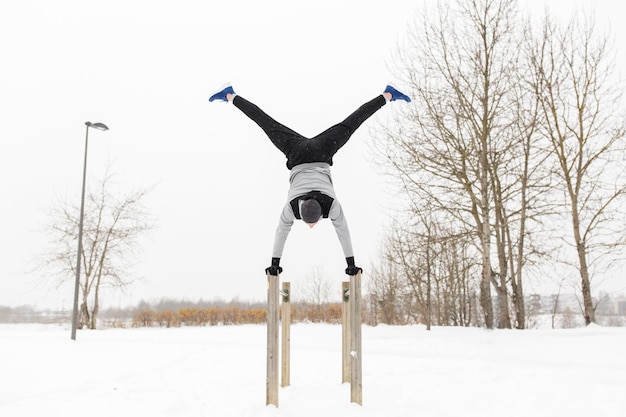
<point>425,273</point>
<point>313,294</point>
<point>520,182</point>
<point>585,125</point>
<point>385,289</point>
<point>316,288</point>
<point>113,225</point>
<point>461,64</point>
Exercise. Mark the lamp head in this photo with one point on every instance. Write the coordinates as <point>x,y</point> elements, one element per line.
<point>97,126</point>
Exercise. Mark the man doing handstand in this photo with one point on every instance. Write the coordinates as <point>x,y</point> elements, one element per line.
<point>311,195</point>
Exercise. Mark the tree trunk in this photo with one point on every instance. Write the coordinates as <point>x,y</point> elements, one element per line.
<point>94,311</point>
<point>84,315</point>
<point>503,299</point>
<point>96,302</point>
<point>485,232</point>
<point>485,292</point>
<point>518,302</point>
<point>588,311</point>
<point>504,321</point>
<point>516,269</point>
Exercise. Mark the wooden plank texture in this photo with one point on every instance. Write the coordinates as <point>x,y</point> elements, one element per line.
<point>272,341</point>
<point>286,335</point>
<point>345,332</point>
<point>356,381</point>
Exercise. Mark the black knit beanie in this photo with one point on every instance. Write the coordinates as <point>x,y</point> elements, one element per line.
<point>310,211</point>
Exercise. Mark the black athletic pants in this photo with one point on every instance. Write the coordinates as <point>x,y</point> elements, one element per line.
<point>299,149</point>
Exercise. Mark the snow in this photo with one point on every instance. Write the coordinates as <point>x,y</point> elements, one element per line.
<point>220,371</point>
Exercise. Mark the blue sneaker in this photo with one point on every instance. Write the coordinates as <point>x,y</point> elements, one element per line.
<point>221,95</point>
<point>397,95</point>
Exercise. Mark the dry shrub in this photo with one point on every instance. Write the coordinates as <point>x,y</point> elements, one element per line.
<point>144,318</point>
<point>213,316</point>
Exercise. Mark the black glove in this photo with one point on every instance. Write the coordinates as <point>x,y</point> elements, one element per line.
<point>274,269</point>
<point>352,269</point>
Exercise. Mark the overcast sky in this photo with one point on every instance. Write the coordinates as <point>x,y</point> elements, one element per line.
<point>146,69</point>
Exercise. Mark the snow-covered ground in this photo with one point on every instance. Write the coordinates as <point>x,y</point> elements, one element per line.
<point>220,371</point>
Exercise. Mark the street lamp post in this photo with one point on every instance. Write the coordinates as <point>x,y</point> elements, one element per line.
<point>97,126</point>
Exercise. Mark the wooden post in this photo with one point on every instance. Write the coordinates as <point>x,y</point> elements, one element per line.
<point>272,341</point>
<point>356,382</point>
<point>345,332</point>
<point>286,333</point>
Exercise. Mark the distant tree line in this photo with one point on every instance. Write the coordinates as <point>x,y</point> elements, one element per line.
<point>556,311</point>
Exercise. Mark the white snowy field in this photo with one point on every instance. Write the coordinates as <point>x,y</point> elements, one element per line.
<point>220,371</point>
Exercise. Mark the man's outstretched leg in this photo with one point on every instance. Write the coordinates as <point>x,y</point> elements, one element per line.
<point>337,136</point>
<point>368,109</point>
<point>281,136</point>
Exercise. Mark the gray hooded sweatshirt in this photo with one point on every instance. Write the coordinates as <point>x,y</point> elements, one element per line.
<point>304,178</point>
